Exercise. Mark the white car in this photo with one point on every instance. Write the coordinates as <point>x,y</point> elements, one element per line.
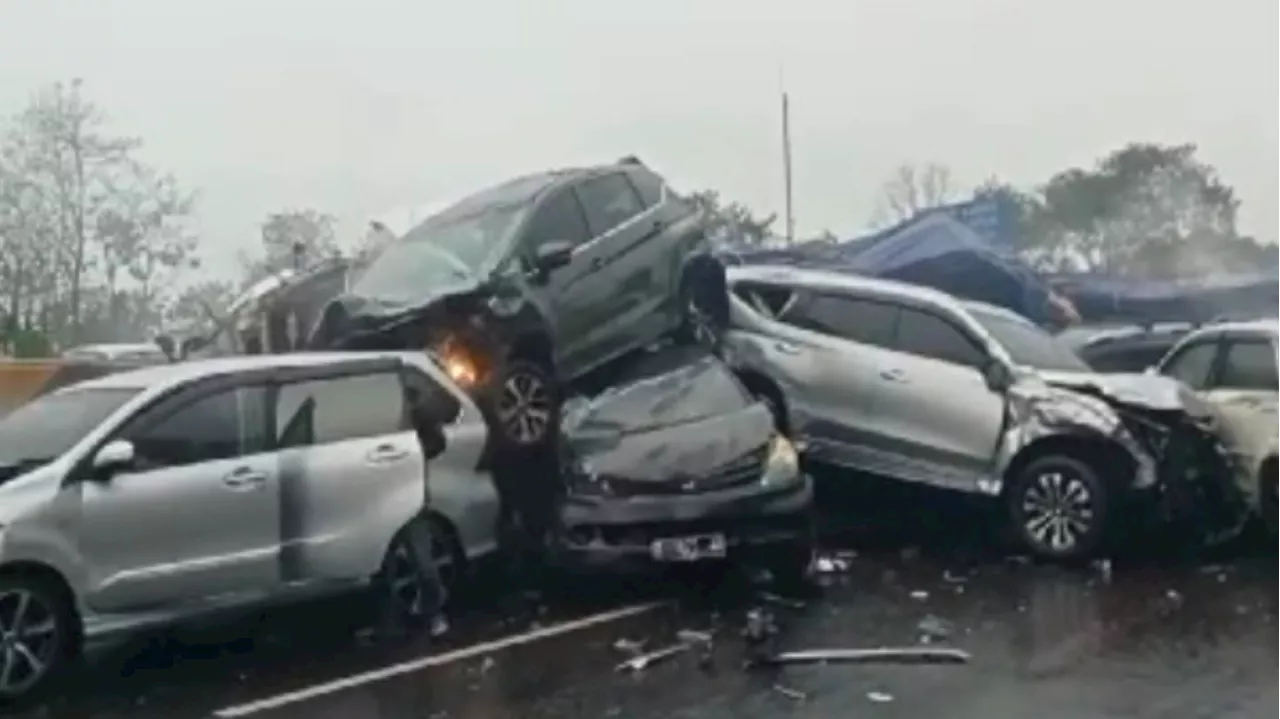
<point>148,497</point>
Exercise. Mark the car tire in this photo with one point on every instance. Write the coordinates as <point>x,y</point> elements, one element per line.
<point>526,406</point>
<point>1058,508</point>
<point>704,311</point>
<point>40,640</point>
<point>400,586</point>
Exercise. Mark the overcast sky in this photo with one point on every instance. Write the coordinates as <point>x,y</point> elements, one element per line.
<point>356,107</point>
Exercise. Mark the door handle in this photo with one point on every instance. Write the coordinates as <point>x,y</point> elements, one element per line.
<point>385,453</point>
<point>893,375</point>
<point>244,478</point>
<point>786,348</point>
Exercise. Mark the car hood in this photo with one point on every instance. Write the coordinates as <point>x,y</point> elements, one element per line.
<point>1153,392</point>
<point>353,314</point>
<point>675,454</point>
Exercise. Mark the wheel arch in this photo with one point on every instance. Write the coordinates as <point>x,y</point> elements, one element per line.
<point>46,573</point>
<point>1108,458</point>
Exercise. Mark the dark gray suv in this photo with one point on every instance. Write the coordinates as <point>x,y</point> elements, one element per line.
<point>531,284</point>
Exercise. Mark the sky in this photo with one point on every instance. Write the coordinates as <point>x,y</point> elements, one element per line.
<point>358,107</point>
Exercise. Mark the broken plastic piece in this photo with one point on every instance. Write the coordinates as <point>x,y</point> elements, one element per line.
<point>919,595</point>
<point>886,655</point>
<point>830,565</point>
<point>641,662</point>
<point>880,697</point>
<point>790,693</point>
<point>693,636</point>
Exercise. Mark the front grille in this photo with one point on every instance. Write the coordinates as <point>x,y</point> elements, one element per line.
<point>741,471</point>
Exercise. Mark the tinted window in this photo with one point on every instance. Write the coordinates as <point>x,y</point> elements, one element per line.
<point>609,201</point>
<point>1249,364</point>
<point>223,425</point>
<point>432,399</point>
<point>1192,364</point>
<point>334,410</point>
<point>928,335</point>
<point>560,218</point>
<point>42,430</point>
<point>648,185</point>
<point>862,321</point>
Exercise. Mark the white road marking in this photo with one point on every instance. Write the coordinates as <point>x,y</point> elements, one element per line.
<point>413,665</point>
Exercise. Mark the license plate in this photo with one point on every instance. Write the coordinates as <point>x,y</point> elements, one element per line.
<point>688,549</point>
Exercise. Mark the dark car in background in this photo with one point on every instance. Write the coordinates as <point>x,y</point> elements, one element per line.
<point>1124,348</point>
<point>531,284</point>
<point>677,463</point>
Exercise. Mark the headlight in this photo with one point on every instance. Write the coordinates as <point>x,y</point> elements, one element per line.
<point>783,465</point>
<point>456,362</point>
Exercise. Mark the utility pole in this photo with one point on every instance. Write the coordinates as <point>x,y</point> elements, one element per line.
<point>786,166</point>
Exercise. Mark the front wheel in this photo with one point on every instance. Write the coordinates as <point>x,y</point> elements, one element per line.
<point>1058,507</point>
<point>38,636</point>
<point>527,407</point>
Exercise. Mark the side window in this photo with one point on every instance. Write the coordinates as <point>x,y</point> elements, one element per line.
<point>1249,364</point>
<point>609,201</point>
<point>648,185</point>
<point>864,321</point>
<point>228,424</point>
<point>927,335</point>
<point>324,411</point>
<point>769,300</point>
<point>1193,363</point>
<point>560,219</point>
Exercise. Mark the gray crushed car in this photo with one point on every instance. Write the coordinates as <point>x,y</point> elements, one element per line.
<point>916,385</point>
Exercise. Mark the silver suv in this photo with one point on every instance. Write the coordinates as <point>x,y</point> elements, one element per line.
<point>911,383</point>
<point>148,497</point>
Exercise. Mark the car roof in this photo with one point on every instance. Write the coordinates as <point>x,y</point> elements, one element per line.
<point>169,375</point>
<point>814,278</point>
<point>109,347</point>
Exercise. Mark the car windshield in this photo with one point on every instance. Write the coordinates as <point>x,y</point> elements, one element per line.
<point>41,431</point>
<point>446,249</point>
<point>1029,345</point>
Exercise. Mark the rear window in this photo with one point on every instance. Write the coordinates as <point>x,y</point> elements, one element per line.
<point>1249,364</point>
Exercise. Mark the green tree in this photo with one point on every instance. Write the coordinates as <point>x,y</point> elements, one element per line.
<point>734,221</point>
<point>1144,210</point>
<point>293,238</point>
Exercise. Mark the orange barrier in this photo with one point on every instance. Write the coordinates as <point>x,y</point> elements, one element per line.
<point>23,380</point>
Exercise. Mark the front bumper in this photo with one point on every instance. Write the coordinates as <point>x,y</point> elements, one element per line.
<point>615,533</point>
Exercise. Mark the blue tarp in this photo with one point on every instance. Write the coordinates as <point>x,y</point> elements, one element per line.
<point>1099,297</point>
<point>936,251</point>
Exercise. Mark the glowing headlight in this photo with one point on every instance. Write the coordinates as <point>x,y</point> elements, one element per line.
<point>783,465</point>
<point>456,363</point>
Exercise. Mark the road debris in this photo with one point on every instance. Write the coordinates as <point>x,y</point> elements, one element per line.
<point>880,697</point>
<point>933,627</point>
<point>829,564</point>
<point>703,642</point>
<point>643,661</point>
<point>792,694</point>
<point>882,655</point>
<point>634,647</point>
<point>950,578</point>
<point>1103,567</point>
<point>919,595</point>
<point>781,601</point>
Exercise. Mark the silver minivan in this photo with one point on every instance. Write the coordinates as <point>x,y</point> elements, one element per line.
<point>148,497</point>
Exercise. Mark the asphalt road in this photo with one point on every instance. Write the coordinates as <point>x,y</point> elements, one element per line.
<point>1149,637</point>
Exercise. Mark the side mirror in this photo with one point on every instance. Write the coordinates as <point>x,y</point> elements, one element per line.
<point>115,455</point>
<point>997,375</point>
<point>552,255</point>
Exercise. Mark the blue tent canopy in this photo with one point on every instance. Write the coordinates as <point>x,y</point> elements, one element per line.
<point>934,250</point>
<point>1104,297</point>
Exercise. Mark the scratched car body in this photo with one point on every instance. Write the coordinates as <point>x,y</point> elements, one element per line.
<point>149,497</point>
<point>914,384</point>
<point>1233,367</point>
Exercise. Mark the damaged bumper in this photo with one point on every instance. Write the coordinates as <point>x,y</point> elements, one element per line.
<point>619,533</point>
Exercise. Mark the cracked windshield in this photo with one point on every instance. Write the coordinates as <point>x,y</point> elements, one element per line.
<point>575,359</point>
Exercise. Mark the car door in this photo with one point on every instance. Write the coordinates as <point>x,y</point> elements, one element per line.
<point>933,406</point>
<point>1243,387</point>
<point>565,292</point>
<point>196,514</point>
<point>352,472</point>
<point>840,339</point>
<point>622,285</point>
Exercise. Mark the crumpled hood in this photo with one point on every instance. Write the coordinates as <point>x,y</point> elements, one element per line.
<point>680,452</point>
<point>1154,392</point>
<point>354,313</point>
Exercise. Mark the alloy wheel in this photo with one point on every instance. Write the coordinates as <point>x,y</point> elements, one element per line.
<point>404,583</point>
<point>525,408</point>
<point>29,635</point>
<point>1058,511</point>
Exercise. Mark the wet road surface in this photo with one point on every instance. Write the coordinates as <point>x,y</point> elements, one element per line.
<point>1151,638</point>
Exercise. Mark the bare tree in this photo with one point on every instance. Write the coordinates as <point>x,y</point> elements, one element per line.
<point>912,190</point>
